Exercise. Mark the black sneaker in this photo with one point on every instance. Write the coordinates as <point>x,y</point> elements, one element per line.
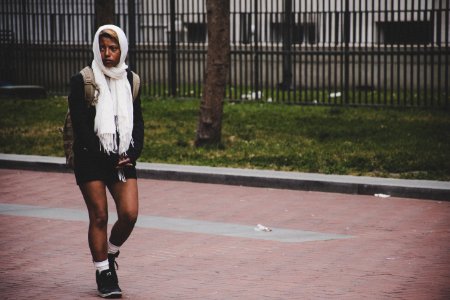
<point>112,261</point>
<point>113,265</point>
<point>107,285</point>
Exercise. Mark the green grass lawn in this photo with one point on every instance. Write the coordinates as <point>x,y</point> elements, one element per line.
<point>388,142</point>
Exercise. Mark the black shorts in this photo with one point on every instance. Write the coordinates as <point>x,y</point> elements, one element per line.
<point>96,166</point>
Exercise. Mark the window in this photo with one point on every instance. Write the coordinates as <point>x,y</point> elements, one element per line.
<point>301,33</point>
<point>196,32</point>
<point>405,32</point>
<point>245,29</point>
<point>6,36</point>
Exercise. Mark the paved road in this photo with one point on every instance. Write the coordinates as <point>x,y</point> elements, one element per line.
<point>198,241</point>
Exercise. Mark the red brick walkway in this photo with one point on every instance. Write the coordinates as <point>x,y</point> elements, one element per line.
<point>400,248</point>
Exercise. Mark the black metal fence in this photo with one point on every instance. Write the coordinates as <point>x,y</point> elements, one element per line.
<point>366,52</point>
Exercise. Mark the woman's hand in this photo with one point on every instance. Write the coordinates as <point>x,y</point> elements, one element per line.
<point>124,161</point>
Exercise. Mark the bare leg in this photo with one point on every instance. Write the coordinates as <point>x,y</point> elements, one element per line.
<point>125,196</point>
<point>94,193</point>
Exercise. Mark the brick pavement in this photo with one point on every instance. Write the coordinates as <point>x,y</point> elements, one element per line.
<point>399,248</point>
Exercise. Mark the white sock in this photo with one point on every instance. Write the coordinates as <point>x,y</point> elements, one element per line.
<point>101,265</point>
<point>112,249</point>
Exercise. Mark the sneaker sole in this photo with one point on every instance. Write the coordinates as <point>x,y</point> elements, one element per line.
<point>112,295</point>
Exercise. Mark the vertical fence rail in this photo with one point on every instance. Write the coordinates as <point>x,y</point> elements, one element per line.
<point>447,48</point>
<point>348,52</point>
<point>173,49</point>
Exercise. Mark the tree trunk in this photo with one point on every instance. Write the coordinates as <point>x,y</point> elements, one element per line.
<point>288,24</point>
<point>104,12</point>
<point>209,129</point>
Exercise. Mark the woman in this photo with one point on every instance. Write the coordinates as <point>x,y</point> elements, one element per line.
<point>108,140</point>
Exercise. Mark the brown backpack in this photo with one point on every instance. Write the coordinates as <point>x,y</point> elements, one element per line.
<point>89,95</point>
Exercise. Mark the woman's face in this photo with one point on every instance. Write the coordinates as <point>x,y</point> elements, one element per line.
<point>110,51</point>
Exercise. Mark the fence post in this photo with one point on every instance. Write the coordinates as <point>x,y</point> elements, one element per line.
<point>26,54</point>
<point>172,52</point>
<point>24,22</point>
<point>346,51</point>
<point>256,76</point>
<point>104,13</point>
<point>288,23</point>
<point>132,34</point>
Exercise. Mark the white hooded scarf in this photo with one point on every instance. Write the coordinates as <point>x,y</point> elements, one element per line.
<point>114,109</point>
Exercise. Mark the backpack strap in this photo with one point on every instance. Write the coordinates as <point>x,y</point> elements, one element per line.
<point>89,85</point>
<point>136,84</point>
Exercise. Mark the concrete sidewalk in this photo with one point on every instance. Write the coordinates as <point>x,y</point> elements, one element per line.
<point>198,241</point>
<point>419,189</point>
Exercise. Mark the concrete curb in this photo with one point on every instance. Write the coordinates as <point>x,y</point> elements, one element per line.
<point>420,189</point>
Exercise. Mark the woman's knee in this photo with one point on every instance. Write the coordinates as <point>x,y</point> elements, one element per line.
<point>99,219</point>
<point>94,194</point>
<point>128,217</point>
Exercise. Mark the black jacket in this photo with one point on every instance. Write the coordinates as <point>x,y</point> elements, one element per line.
<point>83,117</point>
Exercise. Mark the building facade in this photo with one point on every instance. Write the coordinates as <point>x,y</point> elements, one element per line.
<point>399,46</point>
